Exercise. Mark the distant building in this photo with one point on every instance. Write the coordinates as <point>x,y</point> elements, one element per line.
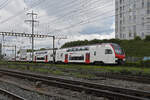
<point>132,18</point>
<point>0,49</point>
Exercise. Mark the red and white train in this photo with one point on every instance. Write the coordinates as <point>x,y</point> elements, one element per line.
<point>105,53</point>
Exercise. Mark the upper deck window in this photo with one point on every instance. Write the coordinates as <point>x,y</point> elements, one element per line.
<point>41,52</point>
<point>78,49</point>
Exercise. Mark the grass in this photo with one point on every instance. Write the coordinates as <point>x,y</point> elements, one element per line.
<point>79,71</point>
<point>112,69</point>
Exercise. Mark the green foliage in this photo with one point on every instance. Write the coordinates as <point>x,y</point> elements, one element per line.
<point>83,71</point>
<point>141,64</point>
<point>147,38</point>
<point>145,63</point>
<point>135,48</point>
<point>42,49</point>
<point>137,38</point>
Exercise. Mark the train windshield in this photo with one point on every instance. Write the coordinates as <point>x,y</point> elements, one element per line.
<point>118,49</point>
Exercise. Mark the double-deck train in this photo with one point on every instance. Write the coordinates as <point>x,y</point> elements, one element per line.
<point>105,53</point>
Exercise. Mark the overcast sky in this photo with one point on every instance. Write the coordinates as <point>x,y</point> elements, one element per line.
<point>76,19</point>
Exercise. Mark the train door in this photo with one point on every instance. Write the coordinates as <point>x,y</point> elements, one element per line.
<point>66,58</point>
<point>108,55</point>
<point>34,58</point>
<point>87,58</point>
<point>46,58</point>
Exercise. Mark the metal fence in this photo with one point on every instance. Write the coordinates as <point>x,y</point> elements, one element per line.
<point>134,59</point>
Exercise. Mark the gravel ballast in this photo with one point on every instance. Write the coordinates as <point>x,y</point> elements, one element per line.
<point>56,93</point>
<point>25,94</point>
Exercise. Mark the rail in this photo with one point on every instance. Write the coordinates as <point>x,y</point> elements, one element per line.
<point>110,92</point>
<point>10,95</point>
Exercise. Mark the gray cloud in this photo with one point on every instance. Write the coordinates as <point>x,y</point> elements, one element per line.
<point>56,17</point>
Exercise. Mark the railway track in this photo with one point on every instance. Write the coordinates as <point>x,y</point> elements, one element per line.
<point>10,96</point>
<point>139,79</point>
<point>113,93</point>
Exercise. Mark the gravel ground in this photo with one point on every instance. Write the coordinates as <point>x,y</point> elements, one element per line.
<point>107,81</point>
<point>83,96</point>
<point>25,94</point>
<point>2,97</point>
<point>49,90</point>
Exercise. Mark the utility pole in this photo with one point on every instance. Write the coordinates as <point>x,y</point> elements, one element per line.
<point>32,21</point>
<point>15,52</point>
<point>54,49</point>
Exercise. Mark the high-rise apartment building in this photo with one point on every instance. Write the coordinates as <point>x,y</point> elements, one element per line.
<point>132,18</point>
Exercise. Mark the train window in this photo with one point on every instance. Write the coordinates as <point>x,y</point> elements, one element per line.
<point>94,53</point>
<point>51,55</point>
<point>73,49</point>
<point>81,49</point>
<point>61,55</point>
<point>76,58</point>
<point>76,49</point>
<point>86,49</point>
<point>68,50</point>
<point>40,58</point>
<point>108,51</point>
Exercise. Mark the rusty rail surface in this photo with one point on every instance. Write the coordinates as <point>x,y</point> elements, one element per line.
<point>111,92</point>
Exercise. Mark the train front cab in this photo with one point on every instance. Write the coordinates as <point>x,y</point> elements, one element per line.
<point>119,54</point>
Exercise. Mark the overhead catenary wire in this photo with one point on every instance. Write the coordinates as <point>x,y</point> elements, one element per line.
<point>81,12</point>
<point>4,4</point>
<point>93,19</point>
<point>87,20</point>
<point>61,9</point>
<point>22,11</point>
<point>75,11</point>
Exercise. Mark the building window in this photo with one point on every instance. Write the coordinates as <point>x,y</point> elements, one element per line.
<point>94,53</point>
<point>135,34</point>
<point>142,3</point>
<point>120,1</point>
<point>143,35</point>
<point>134,17</point>
<point>134,28</point>
<point>148,27</point>
<point>130,34</point>
<point>148,7</point>
<point>124,36</point>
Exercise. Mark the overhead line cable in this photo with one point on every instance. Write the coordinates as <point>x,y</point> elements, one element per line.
<point>20,12</point>
<point>83,22</point>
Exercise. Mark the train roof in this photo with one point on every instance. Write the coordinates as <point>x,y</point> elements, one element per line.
<point>89,45</point>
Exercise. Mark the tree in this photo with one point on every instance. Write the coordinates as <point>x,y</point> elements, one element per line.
<point>137,38</point>
<point>42,49</point>
<point>147,38</point>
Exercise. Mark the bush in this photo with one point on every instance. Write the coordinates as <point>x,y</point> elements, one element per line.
<point>137,38</point>
<point>139,64</point>
<point>147,38</point>
<point>145,63</point>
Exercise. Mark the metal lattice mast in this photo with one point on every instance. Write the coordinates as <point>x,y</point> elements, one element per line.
<point>32,21</point>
